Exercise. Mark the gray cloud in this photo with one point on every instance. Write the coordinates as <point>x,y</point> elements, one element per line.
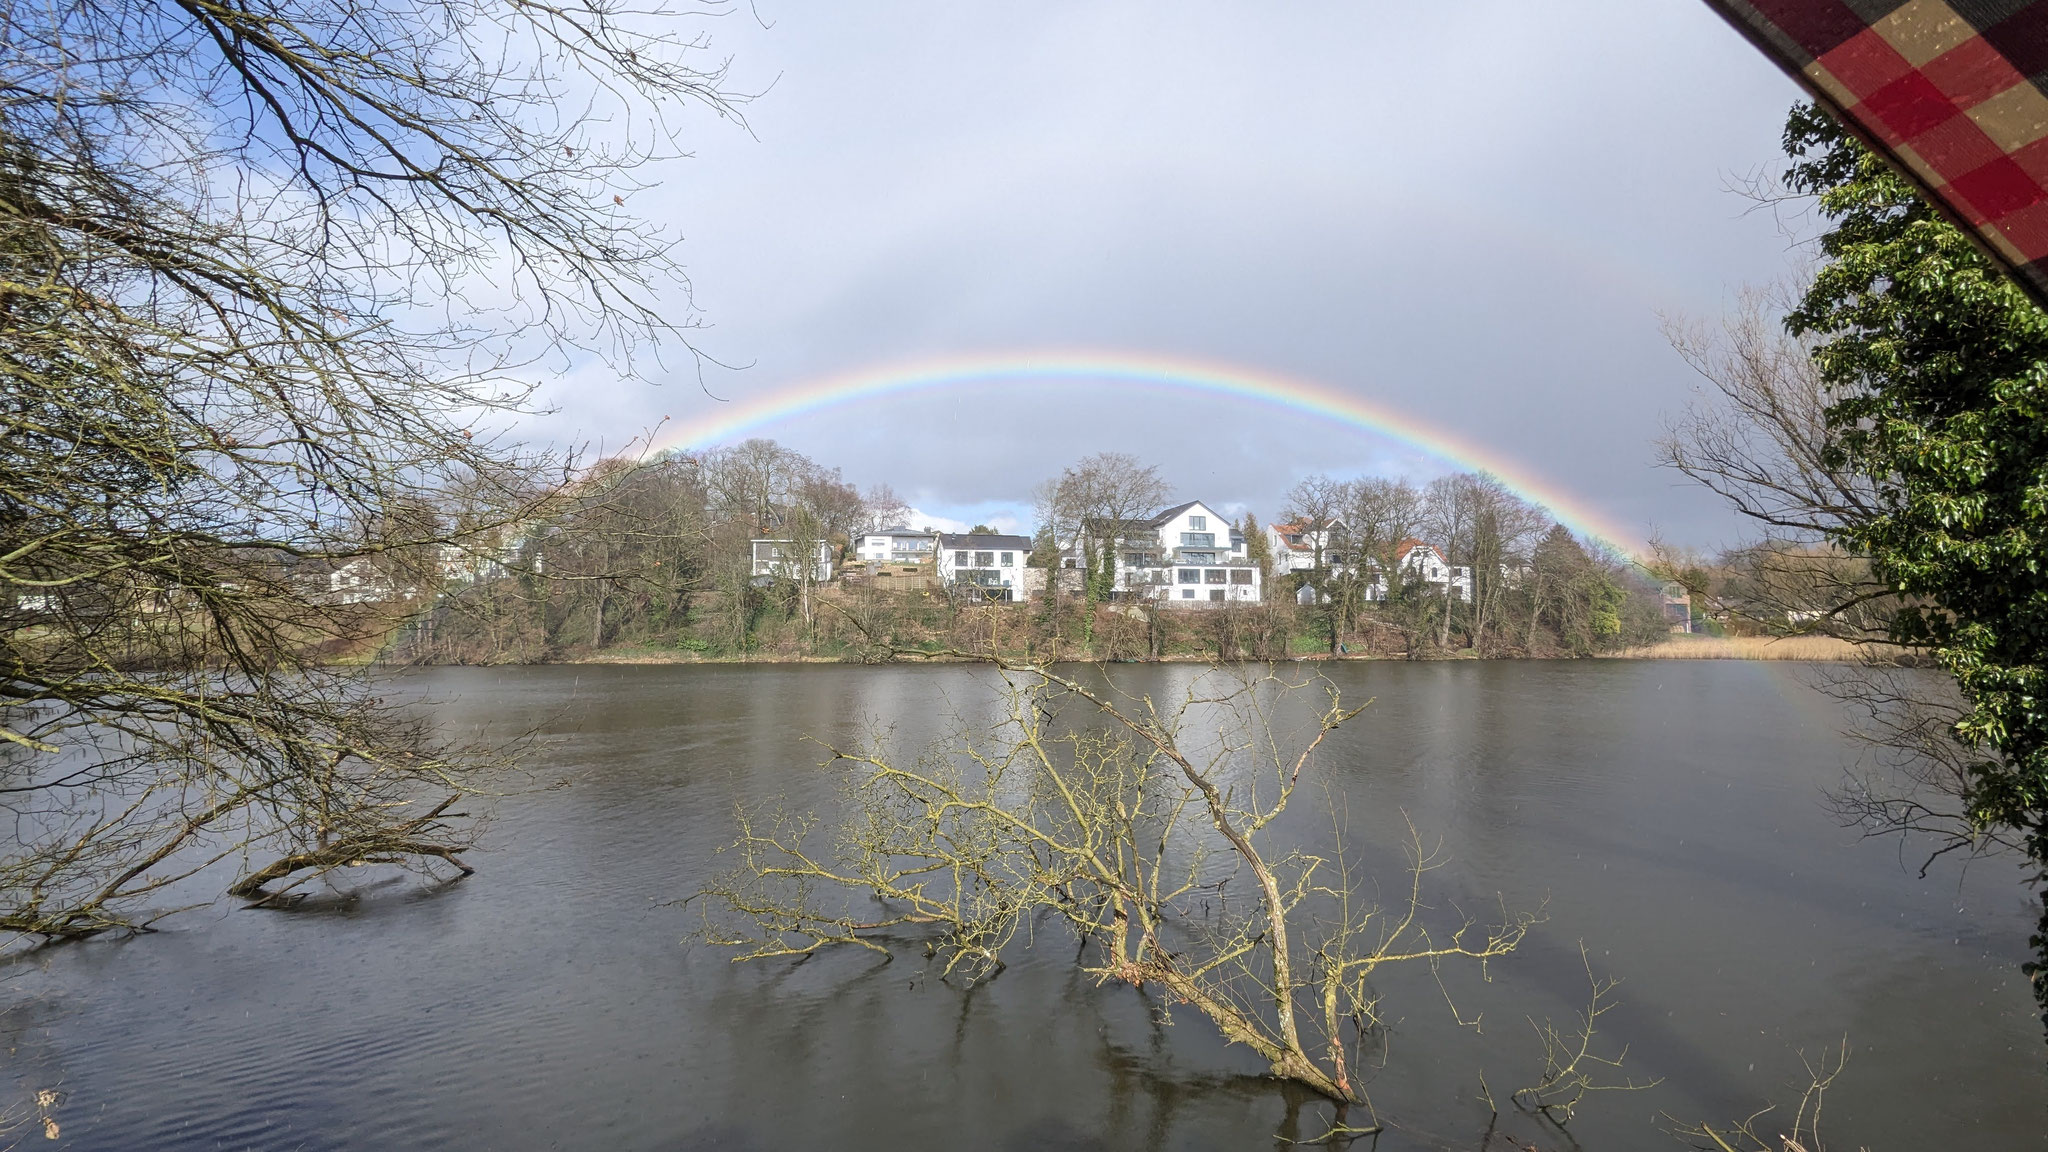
<point>1472,215</point>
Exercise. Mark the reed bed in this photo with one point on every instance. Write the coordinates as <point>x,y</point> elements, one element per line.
<point>1806,648</point>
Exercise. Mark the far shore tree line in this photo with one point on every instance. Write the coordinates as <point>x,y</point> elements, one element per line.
<point>657,557</point>
<point>246,441</point>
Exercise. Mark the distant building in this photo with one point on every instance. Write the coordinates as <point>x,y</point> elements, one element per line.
<point>1424,563</point>
<point>780,559</point>
<point>1187,556</point>
<point>990,567</point>
<point>361,582</point>
<point>896,546</point>
<point>1677,607</point>
<point>1294,546</point>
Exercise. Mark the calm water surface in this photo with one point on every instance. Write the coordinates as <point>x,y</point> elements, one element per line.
<point>1670,816</point>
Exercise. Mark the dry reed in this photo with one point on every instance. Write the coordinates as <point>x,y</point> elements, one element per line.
<point>1809,648</point>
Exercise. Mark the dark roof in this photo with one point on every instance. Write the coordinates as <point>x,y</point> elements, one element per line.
<point>897,531</point>
<point>1010,543</point>
<point>1169,514</point>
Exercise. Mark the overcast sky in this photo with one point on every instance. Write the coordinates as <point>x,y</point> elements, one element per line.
<point>1472,213</point>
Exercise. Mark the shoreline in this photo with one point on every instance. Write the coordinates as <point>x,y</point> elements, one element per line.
<point>1754,649</point>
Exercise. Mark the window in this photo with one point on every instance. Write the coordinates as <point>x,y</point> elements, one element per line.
<point>1198,539</point>
<point>984,559</point>
<point>960,558</point>
<point>1214,576</point>
<point>1198,522</point>
<point>1240,576</point>
<point>1198,557</point>
<point>1009,558</point>
<point>1190,576</point>
<point>1187,593</point>
<point>1217,594</point>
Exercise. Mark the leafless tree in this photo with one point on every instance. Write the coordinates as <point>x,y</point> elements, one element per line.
<point>1758,436</point>
<point>1146,829</point>
<point>1092,506</point>
<point>883,509</point>
<point>1504,529</point>
<point>1316,505</point>
<point>235,242</point>
<point>1381,514</point>
<point>1451,507</point>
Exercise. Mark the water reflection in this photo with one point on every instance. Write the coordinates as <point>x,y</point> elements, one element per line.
<point>1667,814</point>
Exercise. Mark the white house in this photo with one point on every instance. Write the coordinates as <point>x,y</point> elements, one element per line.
<point>779,558</point>
<point>1425,563</point>
<point>361,582</point>
<point>895,546</point>
<point>993,566</point>
<point>1186,556</point>
<point>1294,546</point>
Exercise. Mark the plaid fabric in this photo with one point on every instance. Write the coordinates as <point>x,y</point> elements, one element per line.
<point>1955,91</point>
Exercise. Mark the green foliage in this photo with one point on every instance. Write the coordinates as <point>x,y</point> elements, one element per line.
<point>1937,366</point>
<point>1257,548</point>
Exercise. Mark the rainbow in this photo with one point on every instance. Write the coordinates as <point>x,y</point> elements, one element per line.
<point>1142,372</point>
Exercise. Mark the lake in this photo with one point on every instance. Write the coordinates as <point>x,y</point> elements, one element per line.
<point>1670,816</point>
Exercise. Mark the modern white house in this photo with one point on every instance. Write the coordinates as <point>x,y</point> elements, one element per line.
<point>991,567</point>
<point>781,559</point>
<point>1187,556</point>
<point>896,546</point>
<point>1425,563</point>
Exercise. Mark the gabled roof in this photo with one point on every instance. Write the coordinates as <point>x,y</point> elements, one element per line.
<point>1402,550</point>
<point>898,531</point>
<point>1161,519</point>
<point>1291,528</point>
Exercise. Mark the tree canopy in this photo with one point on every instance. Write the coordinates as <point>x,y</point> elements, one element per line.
<point>1936,368</point>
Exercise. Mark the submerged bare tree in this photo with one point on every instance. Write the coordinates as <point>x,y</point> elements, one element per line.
<point>1147,830</point>
<point>237,356</point>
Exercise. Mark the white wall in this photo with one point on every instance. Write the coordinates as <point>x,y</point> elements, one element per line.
<point>1010,573</point>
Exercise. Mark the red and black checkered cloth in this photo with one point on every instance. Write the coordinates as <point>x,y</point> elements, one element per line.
<point>1954,91</point>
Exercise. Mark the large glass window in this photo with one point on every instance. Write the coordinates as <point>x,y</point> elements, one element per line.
<point>1217,594</point>
<point>1198,557</point>
<point>1198,539</point>
<point>1198,522</point>
<point>1214,576</point>
<point>1190,575</point>
<point>984,559</point>
<point>1240,576</point>
<point>960,558</point>
<point>1009,558</point>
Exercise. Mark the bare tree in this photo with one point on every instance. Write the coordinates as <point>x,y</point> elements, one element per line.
<point>1504,528</point>
<point>1315,505</point>
<point>234,242</point>
<point>1146,830</point>
<point>1095,504</point>
<point>1451,507</point>
<point>882,508</point>
<point>1759,438</point>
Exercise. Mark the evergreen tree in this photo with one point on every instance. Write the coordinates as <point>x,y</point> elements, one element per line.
<point>1937,370</point>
